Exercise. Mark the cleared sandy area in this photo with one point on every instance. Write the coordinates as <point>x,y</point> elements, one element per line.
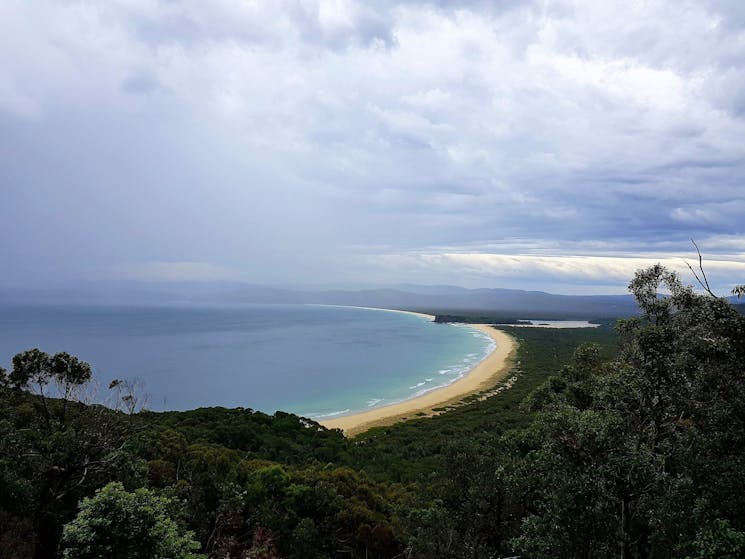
<point>490,370</point>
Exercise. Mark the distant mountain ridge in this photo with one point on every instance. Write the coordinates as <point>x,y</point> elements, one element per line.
<point>434,299</point>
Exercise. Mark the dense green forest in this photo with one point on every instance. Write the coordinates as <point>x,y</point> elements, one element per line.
<point>622,441</point>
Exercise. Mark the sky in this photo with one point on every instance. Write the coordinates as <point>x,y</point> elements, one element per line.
<point>553,145</point>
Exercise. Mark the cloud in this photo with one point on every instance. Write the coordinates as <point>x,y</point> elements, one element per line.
<point>610,274</point>
<point>281,139</point>
<point>174,271</point>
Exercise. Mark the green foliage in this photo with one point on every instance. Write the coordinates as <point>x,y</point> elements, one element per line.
<point>469,512</point>
<point>283,437</point>
<point>69,370</point>
<point>417,449</point>
<point>31,367</point>
<point>608,444</point>
<point>55,450</point>
<point>627,457</point>
<point>718,541</point>
<point>117,524</point>
<point>574,470</point>
<point>651,449</point>
<point>34,368</point>
<point>253,485</point>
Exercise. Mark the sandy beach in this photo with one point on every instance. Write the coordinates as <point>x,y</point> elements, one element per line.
<point>493,368</point>
<point>429,316</point>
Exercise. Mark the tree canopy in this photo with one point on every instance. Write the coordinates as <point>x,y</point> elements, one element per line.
<point>118,524</point>
<point>609,444</point>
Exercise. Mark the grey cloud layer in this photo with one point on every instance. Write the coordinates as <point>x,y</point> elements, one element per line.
<point>329,139</point>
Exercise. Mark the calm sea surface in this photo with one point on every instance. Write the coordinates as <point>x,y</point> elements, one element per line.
<point>311,360</point>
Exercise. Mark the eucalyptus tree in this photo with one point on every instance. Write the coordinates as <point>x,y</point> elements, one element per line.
<point>642,457</point>
<point>118,524</point>
<point>58,448</point>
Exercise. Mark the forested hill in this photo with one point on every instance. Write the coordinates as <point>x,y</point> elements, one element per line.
<point>244,480</point>
<point>439,299</point>
<point>601,444</point>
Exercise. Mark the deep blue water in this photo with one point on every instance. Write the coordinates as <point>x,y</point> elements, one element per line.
<point>310,360</point>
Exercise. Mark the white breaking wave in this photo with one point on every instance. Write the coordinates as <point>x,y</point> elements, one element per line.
<point>330,414</point>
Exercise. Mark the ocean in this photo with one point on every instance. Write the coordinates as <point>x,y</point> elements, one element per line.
<point>315,361</point>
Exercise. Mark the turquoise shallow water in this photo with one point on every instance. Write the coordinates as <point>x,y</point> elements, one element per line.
<point>311,360</point>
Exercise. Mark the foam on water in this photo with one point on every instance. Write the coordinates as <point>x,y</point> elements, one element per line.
<point>329,414</point>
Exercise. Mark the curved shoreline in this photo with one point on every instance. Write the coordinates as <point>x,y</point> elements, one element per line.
<point>490,370</point>
<point>414,313</point>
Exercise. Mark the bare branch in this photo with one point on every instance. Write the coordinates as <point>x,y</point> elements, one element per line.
<point>704,283</point>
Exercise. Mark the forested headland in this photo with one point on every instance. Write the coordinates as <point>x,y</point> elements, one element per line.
<point>623,441</point>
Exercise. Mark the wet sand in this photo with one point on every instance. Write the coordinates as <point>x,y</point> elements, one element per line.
<point>489,371</point>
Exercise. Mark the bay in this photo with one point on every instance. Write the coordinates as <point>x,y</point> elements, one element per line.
<point>312,360</point>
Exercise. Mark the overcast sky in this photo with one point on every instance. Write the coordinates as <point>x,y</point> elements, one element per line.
<point>551,144</point>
